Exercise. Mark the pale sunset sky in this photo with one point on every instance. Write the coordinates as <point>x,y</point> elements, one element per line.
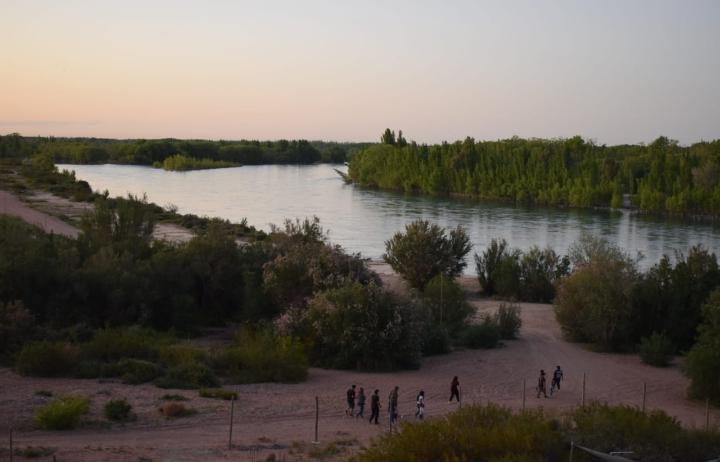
<point>617,71</point>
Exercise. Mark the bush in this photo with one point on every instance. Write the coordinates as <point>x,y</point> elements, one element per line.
<point>47,359</point>
<point>173,410</point>
<point>703,360</point>
<point>435,339</point>
<point>136,371</point>
<point>483,335</point>
<point>188,376</point>
<point>90,369</point>
<point>173,355</point>
<point>35,452</point>
<point>444,301</point>
<point>62,414</point>
<point>508,320</point>
<point>217,393</point>
<point>656,350</point>
<point>424,251</point>
<point>174,397</point>
<point>262,356</point>
<point>116,344</point>
<point>118,410</point>
<point>482,433</point>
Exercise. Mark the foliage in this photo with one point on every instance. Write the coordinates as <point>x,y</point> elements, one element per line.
<point>180,162</point>
<point>473,432</point>
<point>17,325</point>
<point>593,304</point>
<point>62,413</point>
<point>47,359</point>
<point>174,410</point>
<point>659,177</point>
<point>508,320</point>
<point>118,410</point>
<point>260,355</point>
<point>426,250</point>
<point>656,350</point>
<point>174,397</point>
<point>363,327</point>
<point>217,393</point>
<point>118,343</point>
<point>703,360</point>
<point>136,371</point>
<point>444,301</point>
<point>188,376</point>
<point>485,334</point>
<point>35,452</point>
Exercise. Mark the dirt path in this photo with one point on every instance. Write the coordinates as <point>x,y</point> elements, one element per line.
<point>11,205</point>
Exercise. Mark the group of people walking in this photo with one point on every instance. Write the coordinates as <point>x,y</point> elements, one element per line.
<point>356,402</point>
<point>356,398</point>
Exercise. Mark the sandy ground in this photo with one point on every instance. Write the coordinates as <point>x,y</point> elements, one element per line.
<point>279,419</point>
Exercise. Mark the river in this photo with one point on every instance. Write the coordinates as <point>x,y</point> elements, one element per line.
<point>362,220</point>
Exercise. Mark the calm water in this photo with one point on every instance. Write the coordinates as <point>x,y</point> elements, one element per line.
<point>362,220</point>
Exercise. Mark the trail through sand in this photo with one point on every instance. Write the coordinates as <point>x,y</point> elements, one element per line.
<point>11,205</point>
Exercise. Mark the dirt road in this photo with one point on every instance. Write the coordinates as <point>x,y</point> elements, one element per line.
<point>11,205</point>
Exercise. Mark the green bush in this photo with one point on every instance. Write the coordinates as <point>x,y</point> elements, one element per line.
<point>217,393</point>
<point>118,410</point>
<point>656,350</point>
<point>34,452</point>
<point>47,359</point>
<point>188,376</point>
<point>136,371</point>
<point>91,369</point>
<point>262,356</point>
<point>435,339</point>
<point>703,360</point>
<point>444,301</point>
<point>173,355</point>
<point>486,334</point>
<point>174,397</point>
<point>116,344</point>
<point>482,433</point>
<point>508,320</point>
<point>62,414</point>
<point>173,410</point>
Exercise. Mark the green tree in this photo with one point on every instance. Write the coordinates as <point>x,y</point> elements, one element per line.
<point>703,360</point>
<point>426,250</point>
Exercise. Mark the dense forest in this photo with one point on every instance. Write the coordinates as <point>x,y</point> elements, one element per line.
<point>148,152</point>
<point>659,177</point>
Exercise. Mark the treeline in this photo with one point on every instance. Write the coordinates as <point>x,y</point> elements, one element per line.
<point>148,152</point>
<point>660,177</point>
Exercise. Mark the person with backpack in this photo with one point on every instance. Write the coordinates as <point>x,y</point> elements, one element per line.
<point>455,389</point>
<point>375,406</point>
<point>557,378</point>
<point>361,403</point>
<point>350,401</point>
<point>420,401</point>
<point>542,384</point>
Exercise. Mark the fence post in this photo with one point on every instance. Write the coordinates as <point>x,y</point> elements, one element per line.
<point>11,445</point>
<point>232,415</point>
<point>317,417</point>
<point>523,395</point>
<point>644,396</point>
<point>572,449</point>
<point>583,391</point>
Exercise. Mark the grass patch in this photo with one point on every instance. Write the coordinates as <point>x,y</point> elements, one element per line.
<point>325,452</point>
<point>118,410</point>
<point>174,397</point>
<point>47,359</point>
<point>483,335</point>
<point>137,371</point>
<point>217,393</point>
<point>188,376</point>
<point>62,413</point>
<point>34,452</point>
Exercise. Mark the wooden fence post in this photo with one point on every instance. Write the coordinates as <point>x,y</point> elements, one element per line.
<point>583,390</point>
<point>523,395</point>
<point>11,445</point>
<point>707,414</point>
<point>644,396</point>
<point>232,415</point>
<point>317,418</point>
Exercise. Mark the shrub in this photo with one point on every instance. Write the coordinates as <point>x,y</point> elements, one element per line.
<point>487,433</point>
<point>508,320</point>
<point>62,413</point>
<point>44,393</point>
<point>217,393</point>
<point>35,452</point>
<point>90,369</point>
<point>136,371</point>
<point>486,334</point>
<point>493,261</point>
<point>16,327</point>
<point>703,360</point>
<point>118,410</point>
<point>262,356</point>
<point>173,355</point>
<point>444,301</point>
<point>364,327</point>
<point>656,350</point>
<point>435,339</point>
<point>424,251</point>
<point>188,376</point>
<point>47,359</point>
<point>173,410</point>
<point>174,397</point>
<point>116,344</point>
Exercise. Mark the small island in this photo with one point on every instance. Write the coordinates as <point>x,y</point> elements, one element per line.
<point>183,163</point>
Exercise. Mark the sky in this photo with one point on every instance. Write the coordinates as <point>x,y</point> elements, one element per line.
<point>615,71</point>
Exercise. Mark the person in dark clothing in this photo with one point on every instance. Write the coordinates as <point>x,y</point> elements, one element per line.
<point>557,378</point>
<point>455,389</point>
<point>361,403</point>
<point>375,406</point>
<point>393,405</point>
<point>542,384</point>
<point>350,401</point>
<point>420,403</point>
